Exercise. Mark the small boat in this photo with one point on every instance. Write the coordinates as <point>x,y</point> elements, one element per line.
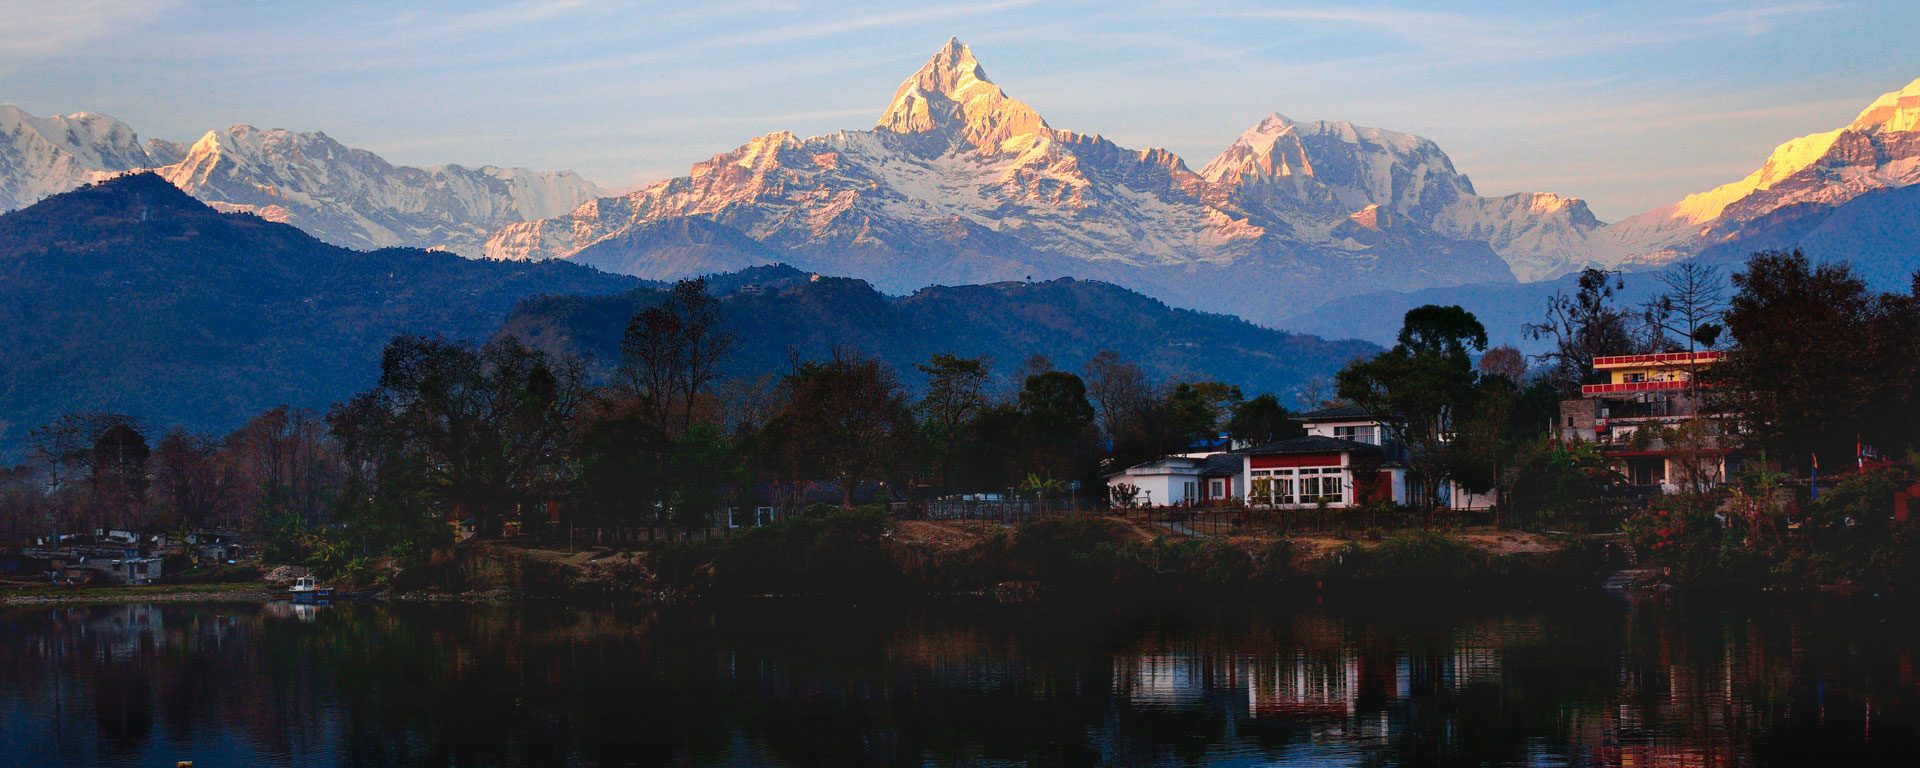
<point>306,590</point>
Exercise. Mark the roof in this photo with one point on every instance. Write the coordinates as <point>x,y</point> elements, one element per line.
<point>1222,465</point>
<point>1337,413</point>
<point>1661,359</point>
<point>1310,444</point>
<point>1217,465</point>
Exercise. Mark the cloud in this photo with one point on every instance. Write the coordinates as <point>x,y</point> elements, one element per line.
<point>1490,39</point>
<point>37,28</point>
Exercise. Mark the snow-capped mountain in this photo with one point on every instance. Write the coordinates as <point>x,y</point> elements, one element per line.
<point>1879,150</point>
<point>1310,174</point>
<point>41,156</point>
<point>346,196</point>
<point>355,198</point>
<point>960,182</point>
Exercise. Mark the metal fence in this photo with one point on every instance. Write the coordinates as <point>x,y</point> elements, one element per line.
<point>1002,510</point>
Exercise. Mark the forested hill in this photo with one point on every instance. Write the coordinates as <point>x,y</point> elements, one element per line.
<point>776,309</point>
<point>131,296</point>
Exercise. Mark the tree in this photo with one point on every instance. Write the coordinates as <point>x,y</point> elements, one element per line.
<point>451,429</point>
<point>1505,361</point>
<point>1687,314</point>
<point>956,392</point>
<point>1446,331</point>
<point>1422,386</point>
<point>1120,392</point>
<point>1582,327</point>
<point>671,353</point>
<point>848,417</point>
<point>190,482</point>
<point>119,480</point>
<point>285,469</point>
<point>1689,309</point>
<point>1191,414</point>
<point>1057,425</point>
<point>1263,420</point>
<point>1801,372</point>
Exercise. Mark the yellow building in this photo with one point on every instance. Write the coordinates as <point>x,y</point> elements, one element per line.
<point>1644,419</point>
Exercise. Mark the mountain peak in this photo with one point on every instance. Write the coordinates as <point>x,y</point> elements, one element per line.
<point>1894,112</point>
<point>951,94</point>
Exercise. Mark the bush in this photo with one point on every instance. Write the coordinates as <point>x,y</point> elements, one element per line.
<point>1416,562</point>
<point>838,552</point>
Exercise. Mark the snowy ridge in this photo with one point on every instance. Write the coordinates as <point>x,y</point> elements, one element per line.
<point>1879,149</point>
<point>343,195</point>
<point>960,182</point>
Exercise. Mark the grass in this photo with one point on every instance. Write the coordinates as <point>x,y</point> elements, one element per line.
<point>50,594</point>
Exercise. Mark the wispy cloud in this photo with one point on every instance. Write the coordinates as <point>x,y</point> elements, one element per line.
<point>1490,38</point>
<point>36,28</point>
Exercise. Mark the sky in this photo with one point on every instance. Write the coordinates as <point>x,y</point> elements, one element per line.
<point>1630,105</point>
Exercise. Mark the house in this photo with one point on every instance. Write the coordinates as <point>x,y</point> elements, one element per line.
<point>1301,472</point>
<point>1650,421</point>
<point>1353,422</point>
<point>1183,480</point>
<point>1317,470</point>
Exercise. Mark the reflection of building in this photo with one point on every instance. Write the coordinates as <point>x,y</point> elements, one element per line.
<point>1304,685</point>
<point>1650,420</point>
<point>1162,679</point>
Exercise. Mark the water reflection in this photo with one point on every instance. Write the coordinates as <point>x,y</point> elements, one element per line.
<point>1600,684</point>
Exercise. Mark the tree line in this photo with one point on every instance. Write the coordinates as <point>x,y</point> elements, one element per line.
<point>1816,368</point>
<point>485,433</point>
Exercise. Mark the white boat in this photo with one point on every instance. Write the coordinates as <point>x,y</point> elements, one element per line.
<point>306,590</point>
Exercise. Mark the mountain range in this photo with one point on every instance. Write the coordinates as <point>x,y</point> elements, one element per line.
<point>1307,224</point>
<point>958,182</point>
<point>1849,195</point>
<point>345,196</point>
<point>787,312</point>
<point>128,295</point>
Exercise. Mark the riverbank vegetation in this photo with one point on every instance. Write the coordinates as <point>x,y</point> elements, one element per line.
<point>665,479</point>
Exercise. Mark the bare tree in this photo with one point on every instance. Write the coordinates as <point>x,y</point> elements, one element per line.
<point>1583,326</point>
<point>1690,309</point>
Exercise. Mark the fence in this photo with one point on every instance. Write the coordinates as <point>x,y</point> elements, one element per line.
<point>1235,520</point>
<point>1005,510</point>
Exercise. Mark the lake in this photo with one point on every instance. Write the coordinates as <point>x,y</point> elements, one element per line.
<point>1601,682</point>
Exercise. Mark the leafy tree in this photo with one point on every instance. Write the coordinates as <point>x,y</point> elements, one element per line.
<point>850,419</point>
<point>956,393</point>
<point>1263,419</point>
<point>1190,415</point>
<point>1423,385</point>
<point>1505,361</point>
<point>1057,425</point>
<point>1803,371</point>
<point>452,429</point>
<point>1447,331</point>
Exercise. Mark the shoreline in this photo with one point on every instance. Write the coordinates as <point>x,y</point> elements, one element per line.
<point>161,593</point>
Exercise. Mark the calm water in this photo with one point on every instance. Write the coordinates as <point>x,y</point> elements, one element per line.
<point>1604,683</point>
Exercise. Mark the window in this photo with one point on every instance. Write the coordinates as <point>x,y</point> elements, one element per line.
<point>764,515</point>
<point>1190,488</point>
<point>1217,488</point>
<point>1321,484</point>
<point>1271,487</point>
<point>1360,434</point>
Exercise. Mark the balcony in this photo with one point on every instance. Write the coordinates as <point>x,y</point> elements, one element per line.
<point>1661,360</point>
<point>1631,387</point>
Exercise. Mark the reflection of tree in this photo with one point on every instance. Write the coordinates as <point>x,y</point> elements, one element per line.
<point>813,685</point>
